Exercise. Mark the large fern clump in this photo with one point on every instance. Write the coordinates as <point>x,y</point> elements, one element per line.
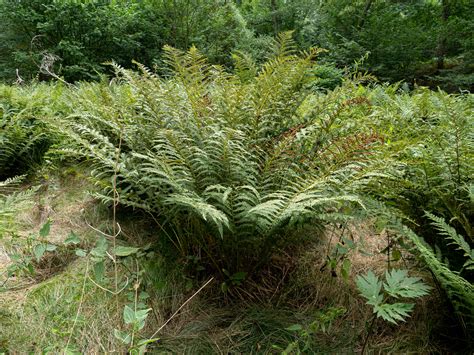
<point>224,163</point>
<point>431,134</point>
<point>24,135</point>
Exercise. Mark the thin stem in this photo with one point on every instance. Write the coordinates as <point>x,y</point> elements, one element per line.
<point>79,308</point>
<point>181,307</point>
<point>369,332</point>
<point>114,217</point>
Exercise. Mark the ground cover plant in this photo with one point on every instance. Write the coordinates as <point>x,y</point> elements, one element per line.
<point>204,210</point>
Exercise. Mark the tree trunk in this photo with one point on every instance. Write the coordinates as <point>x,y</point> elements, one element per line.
<point>441,50</point>
<point>274,7</point>
<point>368,5</point>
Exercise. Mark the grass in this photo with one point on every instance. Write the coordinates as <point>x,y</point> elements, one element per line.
<point>66,309</point>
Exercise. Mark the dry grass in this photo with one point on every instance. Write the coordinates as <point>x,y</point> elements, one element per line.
<point>292,290</point>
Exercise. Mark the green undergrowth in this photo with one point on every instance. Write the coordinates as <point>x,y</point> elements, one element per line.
<point>206,211</point>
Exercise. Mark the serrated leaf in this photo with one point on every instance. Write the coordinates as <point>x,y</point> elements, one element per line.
<point>369,286</point>
<point>45,229</point>
<point>72,238</point>
<point>399,284</point>
<point>125,251</point>
<point>100,248</point>
<point>393,312</point>
<point>39,251</point>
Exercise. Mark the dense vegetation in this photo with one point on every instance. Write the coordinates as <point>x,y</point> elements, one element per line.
<point>423,41</point>
<point>255,195</point>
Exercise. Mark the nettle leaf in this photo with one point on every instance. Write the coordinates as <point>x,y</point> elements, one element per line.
<point>39,251</point>
<point>100,248</point>
<point>399,284</point>
<point>394,312</point>
<point>72,238</point>
<point>370,287</point>
<point>45,229</point>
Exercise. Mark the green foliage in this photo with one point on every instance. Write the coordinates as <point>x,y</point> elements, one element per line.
<point>305,333</point>
<point>73,39</point>
<point>12,202</point>
<point>397,285</point>
<point>213,158</point>
<point>24,138</point>
<point>459,290</point>
<point>456,239</point>
<point>135,319</point>
<point>424,40</point>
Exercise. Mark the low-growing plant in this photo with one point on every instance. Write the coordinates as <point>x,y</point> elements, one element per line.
<point>304,333</point>
<point>221,162</point>
<point>398,286</point>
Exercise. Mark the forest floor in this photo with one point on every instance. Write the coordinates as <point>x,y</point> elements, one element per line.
<point>59,308</point>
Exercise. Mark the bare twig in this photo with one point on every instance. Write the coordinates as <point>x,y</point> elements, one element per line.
<point>182,306</point>
<point>81,300</point>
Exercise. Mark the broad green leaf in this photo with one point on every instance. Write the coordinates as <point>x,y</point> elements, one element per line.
<point>224,287</point>
<point>394,312</point>
<point>39,251</point>
<point>399,284</point>
<point>238,276</point>
<point>143,295</point>
<point>125,251</point>
<point>100,248</point>
<point>128,315</point>
<point>396,255</point>
<point>99,270</point>
<point>45,229</point>
<point>142,314</point>
<point>370,287</point>
<point>72,238</point>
